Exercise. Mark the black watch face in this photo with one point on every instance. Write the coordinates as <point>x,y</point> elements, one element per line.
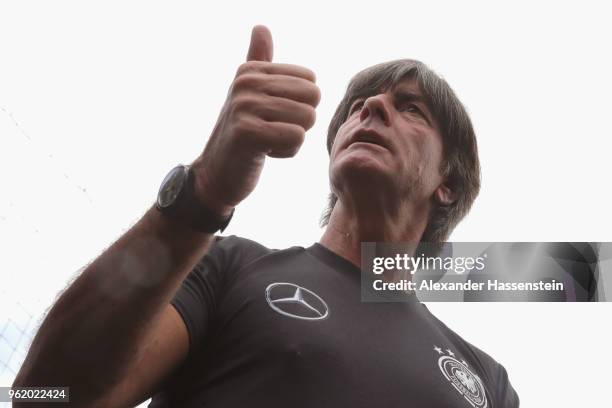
<point>171,186</point>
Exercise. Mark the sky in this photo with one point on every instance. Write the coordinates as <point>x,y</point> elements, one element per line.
<point>99,100</point>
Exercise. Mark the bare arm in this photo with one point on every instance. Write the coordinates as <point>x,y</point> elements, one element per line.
<point>112,336</point>
<point>103,323</point>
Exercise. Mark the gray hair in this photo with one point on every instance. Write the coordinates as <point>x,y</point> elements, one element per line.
<point>460,165</point>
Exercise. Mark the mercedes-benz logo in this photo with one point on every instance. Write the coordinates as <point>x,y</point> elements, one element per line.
<point>296,301</point>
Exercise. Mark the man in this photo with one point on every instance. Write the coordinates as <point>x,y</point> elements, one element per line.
<point>170,311</point>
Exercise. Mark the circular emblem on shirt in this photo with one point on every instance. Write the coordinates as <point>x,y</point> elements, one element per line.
<point>462,378</point>
<point>296,301</point>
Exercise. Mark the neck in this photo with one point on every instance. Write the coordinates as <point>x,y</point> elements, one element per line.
<point>350,225</point>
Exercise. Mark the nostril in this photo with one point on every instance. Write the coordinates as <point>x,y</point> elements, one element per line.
<point>382,114</point>
<point>364,112</point>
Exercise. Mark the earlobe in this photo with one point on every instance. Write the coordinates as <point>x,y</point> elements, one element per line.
<point>444,195</point>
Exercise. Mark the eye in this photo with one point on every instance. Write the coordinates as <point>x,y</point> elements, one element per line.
<point>410,107</point>
<point>356,106</point>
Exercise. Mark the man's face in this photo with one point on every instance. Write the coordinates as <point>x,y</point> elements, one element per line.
<point>389,143</point>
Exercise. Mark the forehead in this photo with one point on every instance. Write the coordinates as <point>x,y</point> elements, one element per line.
<point>408,85</point>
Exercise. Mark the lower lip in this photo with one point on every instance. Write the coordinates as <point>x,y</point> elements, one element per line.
<point>367,144</point>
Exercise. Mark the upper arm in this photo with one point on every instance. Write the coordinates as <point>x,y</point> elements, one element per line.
<point>508,398</point>
<point>175,334</point>
<point>166,347</point>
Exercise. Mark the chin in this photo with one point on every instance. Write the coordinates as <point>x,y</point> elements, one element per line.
<point>361,171</point>
<point>363,159</point>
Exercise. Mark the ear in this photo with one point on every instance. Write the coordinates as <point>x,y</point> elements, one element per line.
<point>444,195</point>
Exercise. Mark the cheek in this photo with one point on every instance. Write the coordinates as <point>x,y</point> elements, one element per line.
<point>341,135</point>
<point>431,166</point>
<point>426,157</point>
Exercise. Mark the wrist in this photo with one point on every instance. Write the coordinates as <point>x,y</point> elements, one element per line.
<point>177,199</point>
<point>207,193</point>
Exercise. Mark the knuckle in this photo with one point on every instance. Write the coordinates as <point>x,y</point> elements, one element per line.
<point>245,81</point>
<point>241,104</point>
<point>248,66</point>
<point>243,126</point>
<point>310,117</point>
<point>316,95</point>
<point>312,75</point>
<point>298,133</point>
<point>296,139</point>
<point>241,70</point>
<point>302,72</point>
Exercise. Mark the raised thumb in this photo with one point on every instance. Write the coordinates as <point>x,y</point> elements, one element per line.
<point>261,48</point>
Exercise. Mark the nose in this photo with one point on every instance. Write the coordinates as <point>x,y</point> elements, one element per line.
<point>375,106</point>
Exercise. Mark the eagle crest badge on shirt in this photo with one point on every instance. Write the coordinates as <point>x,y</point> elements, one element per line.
<point>461,378</point>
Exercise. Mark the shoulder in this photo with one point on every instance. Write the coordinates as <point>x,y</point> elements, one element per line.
<point>233,253</point>
<point>239,246</point>
<point>235,250</point>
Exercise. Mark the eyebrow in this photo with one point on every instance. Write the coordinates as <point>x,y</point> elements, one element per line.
<point>408,96</point>
<point>403,96</point>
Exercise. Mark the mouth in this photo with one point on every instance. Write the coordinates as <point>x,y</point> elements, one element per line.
<point>369,136</point>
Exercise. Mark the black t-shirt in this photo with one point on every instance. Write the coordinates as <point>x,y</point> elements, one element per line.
<point>287,328</point>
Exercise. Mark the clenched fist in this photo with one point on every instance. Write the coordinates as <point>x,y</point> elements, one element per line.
<point>268,109</point>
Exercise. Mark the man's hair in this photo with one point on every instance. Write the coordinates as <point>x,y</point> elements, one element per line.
<point>460,165</point>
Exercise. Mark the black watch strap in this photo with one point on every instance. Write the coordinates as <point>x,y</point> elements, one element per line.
<point>189,211</point>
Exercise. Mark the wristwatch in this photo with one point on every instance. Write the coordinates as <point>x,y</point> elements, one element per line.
<point>177,200</point>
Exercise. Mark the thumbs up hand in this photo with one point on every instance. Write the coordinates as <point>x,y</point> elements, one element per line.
<point>268,109</point>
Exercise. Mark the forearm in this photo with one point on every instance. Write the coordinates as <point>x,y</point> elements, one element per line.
<point>99,323</point>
